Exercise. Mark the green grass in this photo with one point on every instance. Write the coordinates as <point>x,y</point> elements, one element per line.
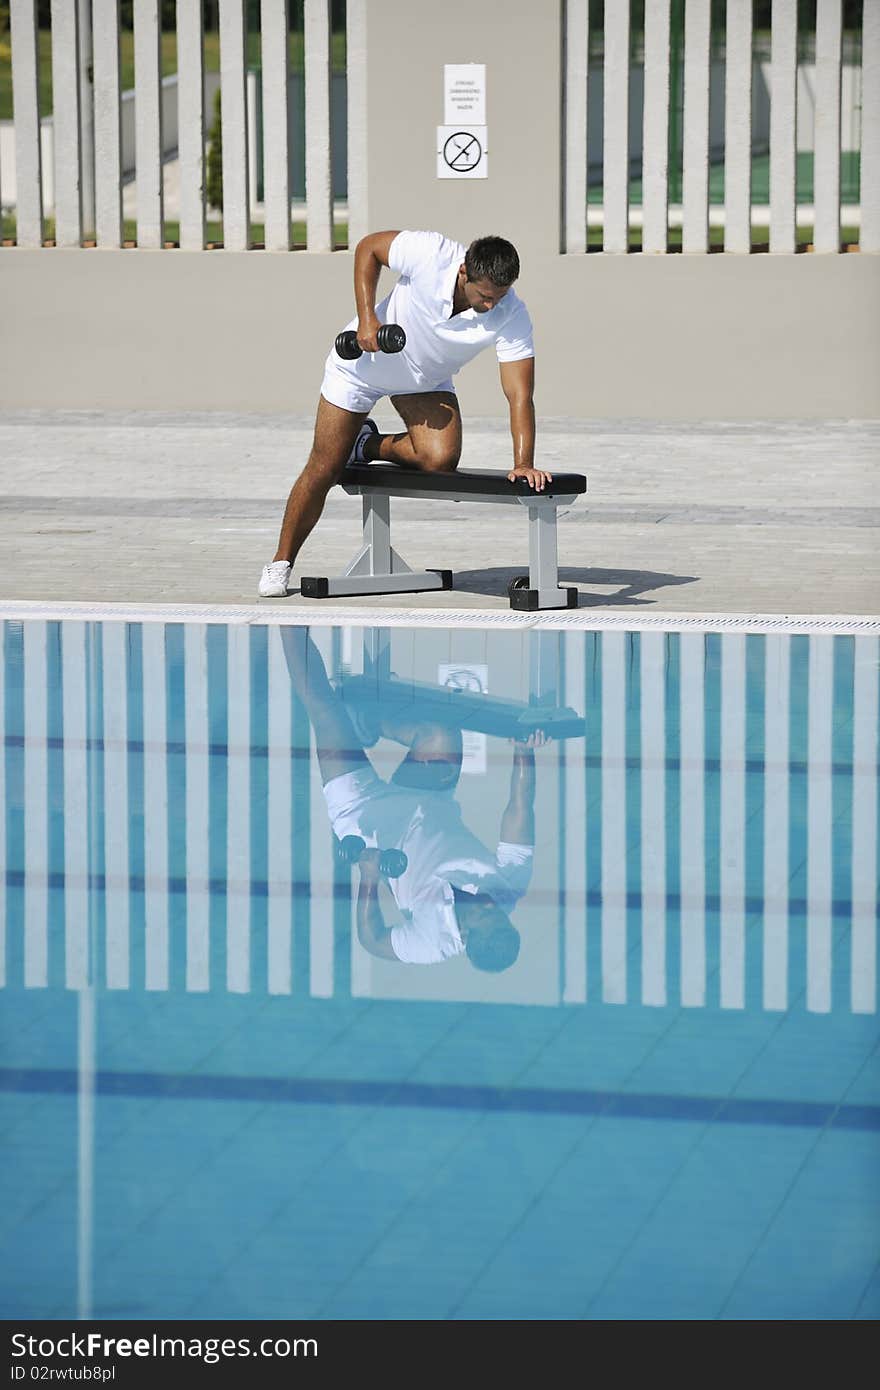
<point>169,62</point>
<point>760,181</point>
<point>214,232</point>
<point>214,237</point>
<point>849,236</point>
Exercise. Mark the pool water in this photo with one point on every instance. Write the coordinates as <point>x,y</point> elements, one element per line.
<point>224,1097</point>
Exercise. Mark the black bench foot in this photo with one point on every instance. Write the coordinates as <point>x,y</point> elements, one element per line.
<point>311,587</point>
<point>529,600</point>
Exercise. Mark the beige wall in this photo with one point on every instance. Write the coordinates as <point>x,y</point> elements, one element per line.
<point>650,337</point>
<point>519,41</point>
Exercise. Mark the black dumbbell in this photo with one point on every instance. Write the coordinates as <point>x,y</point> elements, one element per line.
<point>391,338</point>
<point>392,862</point>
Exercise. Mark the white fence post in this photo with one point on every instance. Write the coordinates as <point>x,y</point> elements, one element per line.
<point>695,162</point>
<point>820,706</point>
<point>692,818</point>
<point>26,104</point>
<point>319,184</point>
<point>198,807</point>
<point>574,904</point>
<point>108,123</point>
<point>276,157</point>
<point>869,236</point>
<point>738,127</point>
<point>148,122</point>
<point>191,125</point>
<point>826,142</point>
<point>655,137</point>
<point>65,106</point>
<point>577,41</point>
<point>155,784</point>
<point>777,777</point>
<point>117,880</point>
<point>783,125</point>
<point>732,822</point>
<point>863,862</point>
<point>238,813</point>
<point>282,769</point>
<point>614,843</point>
<point>236,210</point>
<point>615,163</point>
<point>357,187</point>
<point>75,781</point>
<point>35,811</point>
<point>86,119</point>
<point>652,708</point>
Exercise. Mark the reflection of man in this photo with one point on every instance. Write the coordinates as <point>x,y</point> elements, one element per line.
<point>455,895</point>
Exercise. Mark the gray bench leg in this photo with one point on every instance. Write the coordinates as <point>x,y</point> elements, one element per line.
<point>542,590</point>
<point>376,568</point>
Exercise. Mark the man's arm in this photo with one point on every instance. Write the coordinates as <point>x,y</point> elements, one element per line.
<point>518,385</point>
<point>371,253</point>
<point>372,932</point>
<point>518,820</point>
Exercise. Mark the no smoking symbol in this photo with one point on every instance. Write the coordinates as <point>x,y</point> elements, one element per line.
<point>462,151</point>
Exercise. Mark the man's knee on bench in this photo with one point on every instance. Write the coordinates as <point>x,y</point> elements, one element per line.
<point>438,459</point>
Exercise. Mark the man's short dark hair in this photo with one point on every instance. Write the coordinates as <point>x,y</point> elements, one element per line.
<point>493,950</point>
<point>492,258</point>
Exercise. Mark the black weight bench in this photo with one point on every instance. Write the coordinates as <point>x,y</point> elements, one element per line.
<point>406,700</point>
<point>379,569</point>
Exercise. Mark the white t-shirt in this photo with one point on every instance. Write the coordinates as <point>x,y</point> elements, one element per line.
<point>443,854</point>
<point>437,344</point>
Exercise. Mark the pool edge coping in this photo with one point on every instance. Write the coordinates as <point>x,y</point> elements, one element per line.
<point>838,624</point>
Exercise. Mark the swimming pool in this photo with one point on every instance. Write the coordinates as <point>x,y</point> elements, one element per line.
<point>219,1103</point>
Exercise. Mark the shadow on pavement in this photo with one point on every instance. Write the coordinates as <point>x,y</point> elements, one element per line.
<point>629,583</point>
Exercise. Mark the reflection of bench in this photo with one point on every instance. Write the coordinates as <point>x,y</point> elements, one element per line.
<point>378,569</point>
<point>404,701</point>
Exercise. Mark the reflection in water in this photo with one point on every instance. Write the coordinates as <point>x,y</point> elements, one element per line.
<point>666,818</point>
<point>231,1087</point>
<point>453,894</point>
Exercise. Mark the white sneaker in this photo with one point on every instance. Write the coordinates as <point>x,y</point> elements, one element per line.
<point>273,581</point>
<point>357,452</point>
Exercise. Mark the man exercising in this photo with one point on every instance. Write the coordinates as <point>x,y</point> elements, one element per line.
<point>455,895</point>
<point>452,302</point>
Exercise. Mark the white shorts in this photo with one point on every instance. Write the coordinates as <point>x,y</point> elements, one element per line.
<point>362,803</point>
<point>347,389</point>
<point>382,813</point>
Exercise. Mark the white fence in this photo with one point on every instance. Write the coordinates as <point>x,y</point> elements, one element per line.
<point>723,114</point>
<point>783,919</point>
<point>638,129</point>
<point>89,152</point>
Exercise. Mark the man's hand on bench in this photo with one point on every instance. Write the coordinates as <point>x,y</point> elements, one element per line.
<point>536,477</point>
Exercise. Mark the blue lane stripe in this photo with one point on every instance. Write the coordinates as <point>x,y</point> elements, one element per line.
<point>422,1096</point>
<point>797,767</point>
<point>259,888</point>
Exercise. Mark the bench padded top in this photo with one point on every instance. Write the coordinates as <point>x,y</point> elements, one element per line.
<point>482,482</point>
<point>408,700</point>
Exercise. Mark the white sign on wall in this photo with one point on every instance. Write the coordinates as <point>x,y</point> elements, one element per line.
<point>464,93</point>
<point>472,676</point>
<point>462,152</point>
<point>463,141</point>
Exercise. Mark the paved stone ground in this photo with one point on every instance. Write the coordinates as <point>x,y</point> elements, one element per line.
<point>717,517</point>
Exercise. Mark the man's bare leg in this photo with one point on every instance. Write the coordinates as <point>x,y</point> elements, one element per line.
<point>432,440</point>
<point>335,433</point>
<point>337,744</point>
